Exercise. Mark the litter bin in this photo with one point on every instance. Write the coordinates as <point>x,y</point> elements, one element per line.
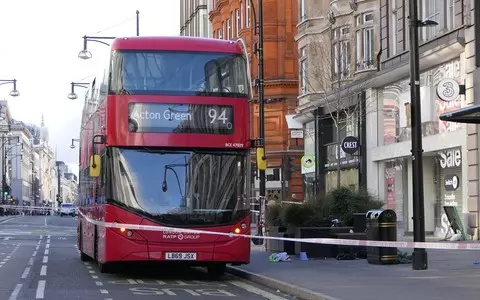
<point>289,246</point>
<point>381,226</point>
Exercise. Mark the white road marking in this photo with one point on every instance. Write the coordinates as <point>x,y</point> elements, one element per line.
<point>254,290</point>
<point>45,222</point>
<point>99,283</point>
<point>41,236</point>
<point>34,253</point>
<point>46,252</point>
<point>16,233</point>
<point>43,270</point>
<point>103,291</point>
<point>36,248</point>
<point>30,261</point>
<point>94,276</point>
<point>47,246</point>
<point>40,289</point>
<point>49,236</point>
<point>45,259</point>
<point>25,273</point>
<point>16,291</point>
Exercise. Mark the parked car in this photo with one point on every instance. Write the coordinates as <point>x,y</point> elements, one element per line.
<point>67,209</point>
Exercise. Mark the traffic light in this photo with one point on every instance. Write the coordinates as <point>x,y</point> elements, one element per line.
<point>287,168</point>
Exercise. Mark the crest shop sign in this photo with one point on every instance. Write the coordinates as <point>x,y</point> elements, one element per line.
<point>350,145</point>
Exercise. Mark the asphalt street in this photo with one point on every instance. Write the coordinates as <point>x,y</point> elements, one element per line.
<point>39,259</point>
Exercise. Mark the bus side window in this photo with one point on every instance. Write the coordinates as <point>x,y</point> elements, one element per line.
<point>103,176</point>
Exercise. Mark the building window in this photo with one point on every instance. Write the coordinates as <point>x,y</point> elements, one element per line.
<point>205,25</point>
<point>303,71</point>
<point>237,21</point>
<point>220,32</point>
<point>241,14</point>
<point>450,19</point>
<point>432,11</point>
<point>247,14</point>
<point>341,52</point>
<point>232,23</point>
<point>302,10</point>
<point>440,11</point>
<point>393,27</point>
<point>229,29</point>
<point>365,42</point>
<point>396,106</point>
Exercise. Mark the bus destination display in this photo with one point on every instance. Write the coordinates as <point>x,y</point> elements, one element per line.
<point>180,118</point>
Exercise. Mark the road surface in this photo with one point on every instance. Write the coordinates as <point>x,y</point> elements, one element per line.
<point>39,259</point>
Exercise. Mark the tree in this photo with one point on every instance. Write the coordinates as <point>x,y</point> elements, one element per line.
<point>328,75</point>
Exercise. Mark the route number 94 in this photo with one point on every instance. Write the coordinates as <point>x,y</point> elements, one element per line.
<point>217,116</point>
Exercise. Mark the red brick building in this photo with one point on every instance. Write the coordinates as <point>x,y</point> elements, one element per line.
<point>233,19</point>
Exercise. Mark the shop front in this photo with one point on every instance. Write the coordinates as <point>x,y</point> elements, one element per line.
<point>332,166</point>
<point>389,161</point>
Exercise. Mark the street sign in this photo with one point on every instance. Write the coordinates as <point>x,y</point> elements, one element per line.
<point>308,163</point>
<point>448,90</point>
<point>350,145</point>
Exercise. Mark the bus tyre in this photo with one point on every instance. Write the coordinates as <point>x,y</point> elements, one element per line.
<point>84,257</point>
<point>217,270</point>
<point>103,268</point>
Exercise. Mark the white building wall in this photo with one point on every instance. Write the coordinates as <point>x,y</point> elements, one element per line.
<point>21,167</point>
<point>46,178</point>
<point>379,152</point>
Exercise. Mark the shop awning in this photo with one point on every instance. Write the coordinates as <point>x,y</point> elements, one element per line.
<point>469,114</point>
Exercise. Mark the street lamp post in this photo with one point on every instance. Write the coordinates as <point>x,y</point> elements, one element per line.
<point>261,109</point>
<point>73,95</point>
<point>59,187</point>
<point>138,22</point>
<point>14,92</point>
<point>261,153</point>
<point>419,255</point>
<point>85,54</point>
<point>72,146</point>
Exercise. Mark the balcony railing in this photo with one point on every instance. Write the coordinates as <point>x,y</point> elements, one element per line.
<point>362,65</point>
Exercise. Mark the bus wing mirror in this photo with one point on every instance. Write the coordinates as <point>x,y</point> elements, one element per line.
<point>98,139</point>
<point>95,165</point>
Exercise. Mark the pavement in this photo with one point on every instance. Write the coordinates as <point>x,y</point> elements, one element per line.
<point>39,259</point>
<point>451,274</point>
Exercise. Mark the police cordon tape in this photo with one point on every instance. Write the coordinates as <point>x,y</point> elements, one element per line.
<point>326,241</point>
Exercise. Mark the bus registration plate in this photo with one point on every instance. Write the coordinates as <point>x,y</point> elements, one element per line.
<point>180,256</point>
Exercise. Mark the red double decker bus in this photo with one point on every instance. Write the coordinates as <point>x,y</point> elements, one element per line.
<point>165,141</point>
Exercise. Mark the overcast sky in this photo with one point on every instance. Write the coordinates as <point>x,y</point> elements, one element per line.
<point>39,44</point>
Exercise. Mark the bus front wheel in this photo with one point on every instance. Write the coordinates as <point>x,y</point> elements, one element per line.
<point>217,270</point>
